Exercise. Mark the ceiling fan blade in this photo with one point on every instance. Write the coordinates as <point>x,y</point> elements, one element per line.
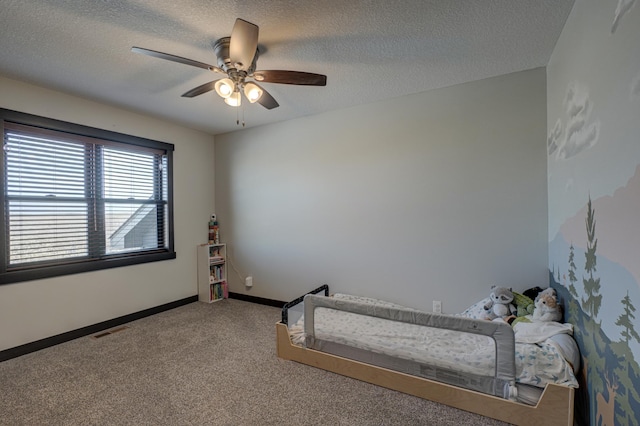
<point>266,100</point>
<point>174,58</point>
<point>204,88</point>
<point>290,77</point>
<point>243,44</point>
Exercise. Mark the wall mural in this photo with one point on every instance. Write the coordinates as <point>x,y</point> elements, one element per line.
<point>578,131</point>
<point>600,298</point>
<point>593,146</point>
<point>623,7</point>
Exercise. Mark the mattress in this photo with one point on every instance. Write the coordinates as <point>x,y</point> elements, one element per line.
<point>467,354</point>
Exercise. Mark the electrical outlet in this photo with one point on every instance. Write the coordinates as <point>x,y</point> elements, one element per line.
<point>248,282</point>
<point>437,306</point>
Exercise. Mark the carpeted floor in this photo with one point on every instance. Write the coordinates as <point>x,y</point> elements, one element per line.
<point>198,364</point>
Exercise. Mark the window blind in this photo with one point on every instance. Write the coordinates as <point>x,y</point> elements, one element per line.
<point>71,198</point>
<point>46,202</point>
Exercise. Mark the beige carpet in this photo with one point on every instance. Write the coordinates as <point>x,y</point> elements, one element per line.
<point>198,364</point>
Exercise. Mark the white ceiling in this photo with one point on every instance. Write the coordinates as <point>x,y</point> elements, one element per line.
<point>369,49</point>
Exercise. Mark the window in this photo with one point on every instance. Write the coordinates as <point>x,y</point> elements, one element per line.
<point>78,199</point>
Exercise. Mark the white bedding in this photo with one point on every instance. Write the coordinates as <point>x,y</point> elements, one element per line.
<point>536,364</point>
<point>538,332</point>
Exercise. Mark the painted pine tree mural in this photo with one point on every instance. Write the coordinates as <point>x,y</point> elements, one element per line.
<point>593,343</point>
<point>591,304</point>
<point>610,382</point>
<point>625,320</point>
<point>611,394</point>
<point>627,394</point>
<point>572,273</point>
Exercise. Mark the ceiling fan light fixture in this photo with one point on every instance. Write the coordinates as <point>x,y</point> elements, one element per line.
<point>225,87</point>
<point>253,92</point>
<point>236,58</point>
<point>234,100</point>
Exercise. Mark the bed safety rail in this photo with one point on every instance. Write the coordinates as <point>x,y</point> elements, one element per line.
<point>285,309</point>
<point>503,382</point>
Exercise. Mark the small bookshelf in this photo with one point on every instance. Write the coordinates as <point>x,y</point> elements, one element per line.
<point>212,273</point>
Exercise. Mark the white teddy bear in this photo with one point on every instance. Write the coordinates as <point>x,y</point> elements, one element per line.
<point>547,307</point>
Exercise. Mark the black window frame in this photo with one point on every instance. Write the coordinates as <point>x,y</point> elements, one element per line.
<point>9,275</point>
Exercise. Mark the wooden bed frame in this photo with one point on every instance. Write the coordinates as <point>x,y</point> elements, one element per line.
<point>555,406</point>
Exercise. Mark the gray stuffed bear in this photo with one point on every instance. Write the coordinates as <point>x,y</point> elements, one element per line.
<point>500,305</point>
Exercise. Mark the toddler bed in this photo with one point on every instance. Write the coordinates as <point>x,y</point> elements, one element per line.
<point>464,362</point>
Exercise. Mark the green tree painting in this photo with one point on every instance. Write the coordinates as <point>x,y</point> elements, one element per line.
<point>612,392</point>
<point>625,320</point>
<point>626,364</point>
<point>591,304</point>
<point>572,273</point>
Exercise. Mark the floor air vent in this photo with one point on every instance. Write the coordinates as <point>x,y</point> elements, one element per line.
<point>108,332</point>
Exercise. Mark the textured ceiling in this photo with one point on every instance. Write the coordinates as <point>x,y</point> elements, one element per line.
<point>369,50</point>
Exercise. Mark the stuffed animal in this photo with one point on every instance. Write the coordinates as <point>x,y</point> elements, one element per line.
<point>547,307</point>
<point>500,305</point>
<point>532,292</point>
<point>524,304</point>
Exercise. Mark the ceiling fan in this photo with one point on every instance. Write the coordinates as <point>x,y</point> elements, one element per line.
<point>236,58</point>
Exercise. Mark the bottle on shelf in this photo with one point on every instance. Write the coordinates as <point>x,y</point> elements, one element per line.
<point>214,231</point>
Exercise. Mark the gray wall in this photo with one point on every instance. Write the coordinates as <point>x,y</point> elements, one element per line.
<point>437,195</point>
<point>34,310</point>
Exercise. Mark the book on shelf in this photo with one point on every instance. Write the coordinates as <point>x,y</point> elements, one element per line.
<point>216,273</point>
<point>219,291</point>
